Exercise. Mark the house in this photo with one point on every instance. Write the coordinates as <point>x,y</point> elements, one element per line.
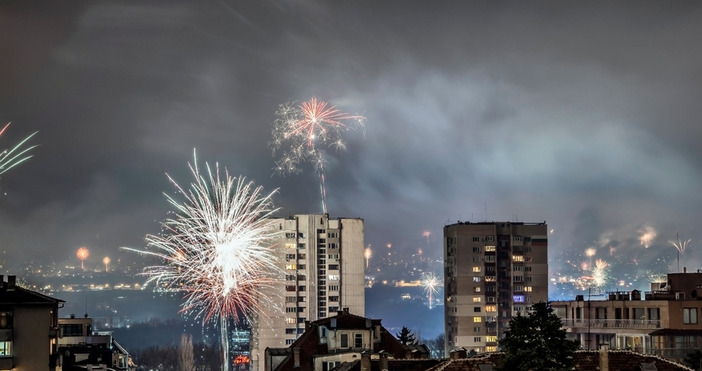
<point>28,328</point>
<point>81,347</point>
<point>667,323</point>
<point>345,339</point>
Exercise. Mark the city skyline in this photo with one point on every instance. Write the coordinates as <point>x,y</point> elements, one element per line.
<point>581,115</point>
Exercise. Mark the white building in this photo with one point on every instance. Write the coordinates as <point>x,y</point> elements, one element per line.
<point>324,273</point>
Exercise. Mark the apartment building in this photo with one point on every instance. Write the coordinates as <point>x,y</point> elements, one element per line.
<point>324,273</point>
<point>28,328</point>
<point>667,322</point>
<point>492,271</point>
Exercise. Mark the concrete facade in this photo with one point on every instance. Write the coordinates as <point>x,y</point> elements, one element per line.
<point>492,271</point>
<point>322,259</point>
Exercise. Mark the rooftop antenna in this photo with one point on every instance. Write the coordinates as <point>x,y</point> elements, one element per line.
<point>86,306</point>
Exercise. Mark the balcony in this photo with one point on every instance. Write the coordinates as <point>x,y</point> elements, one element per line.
<point>612,323</point>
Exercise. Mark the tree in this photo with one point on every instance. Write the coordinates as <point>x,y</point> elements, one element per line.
<point>406,337</point>
<point>537,342</point>
<point>436,346</point>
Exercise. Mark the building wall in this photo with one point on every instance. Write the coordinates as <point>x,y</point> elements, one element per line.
<point>322,260</point>
<point>32,345</point>
<point>492,271</point>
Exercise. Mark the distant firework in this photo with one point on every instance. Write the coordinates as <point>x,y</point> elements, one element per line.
<point>106,261</point>
<point>303,133</point>
<point>82,253</point>
<point>217,249</point>
<point>367,254</point>
<point>431,285</point>
<point>648,234</point>
<point>599,273</point>
<point>16,155</point>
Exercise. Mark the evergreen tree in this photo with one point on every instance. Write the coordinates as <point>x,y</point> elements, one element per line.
<point>537,342</point>
<point>406,337</point>
<point>694,359</point>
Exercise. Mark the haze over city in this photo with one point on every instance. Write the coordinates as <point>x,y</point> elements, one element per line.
<point>581,115</point>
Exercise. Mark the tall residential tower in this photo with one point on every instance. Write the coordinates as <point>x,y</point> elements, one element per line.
<point>492,271</point>
<point>323,263</point>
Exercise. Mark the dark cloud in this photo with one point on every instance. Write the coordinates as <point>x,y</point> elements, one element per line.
<point>581,114</point>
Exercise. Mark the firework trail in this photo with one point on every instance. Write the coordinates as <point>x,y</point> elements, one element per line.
<point>16,155</point>
<point>217,249</point>
<point>431,286</point>
<point>303,133</point>
<point>680,246</point>
<point>599,273</point>
<point>82,253</point>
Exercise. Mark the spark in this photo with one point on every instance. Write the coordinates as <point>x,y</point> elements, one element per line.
<point>431,285</point>
<point>590,252</point>
<point>367,254</point>
<point>82,253</point>
<point>217,249</point>
<point>302,133</point>
<point>16,155</point>
<point>648,234</point>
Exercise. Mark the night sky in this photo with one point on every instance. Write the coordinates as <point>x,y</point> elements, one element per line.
<point>582,114</point>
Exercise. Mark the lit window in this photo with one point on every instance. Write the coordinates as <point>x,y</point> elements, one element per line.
<point>290,267</point>
<point>477,319</point>
<point>476,279</point>
<point>333,277</point>
<point>527,288</point>
<point>490,248</point>
<point>290,245</point>
<point>518,258</point>
<point>491,339</point>
<point>290,320</point>
<point>518,298</point>
<point>490,279</point>
<point>476,269</point>
<point>5,348</point>
<point>491,308</point>
<point>476,289</point>
<point>491,349</point>
<point>477,299</point>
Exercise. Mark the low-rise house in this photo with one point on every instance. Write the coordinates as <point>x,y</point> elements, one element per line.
<point>344,339</point>
<point>668,322</point>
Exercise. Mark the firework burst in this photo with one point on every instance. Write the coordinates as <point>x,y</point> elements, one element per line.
<point>681,246</point>
<point>217,249</point>
<point>431,285</point>
<point>303,133</point>
<point>16,155</point>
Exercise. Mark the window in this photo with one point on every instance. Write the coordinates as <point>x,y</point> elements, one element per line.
<point>300,266</point>
<point>476,249</point>
<point>690,315</point>
<point>290,256</point>
<point>476,239</point>
<point>491,348</point>
<point>301,246</point>
<point>289,245</point>
<point>289,341</point>
<point>290,310</point>
<point>491,339</point>
<point>489,258</point>
<point>518,288</point>
<point>333,277</point>
<point>491,308</point>
<point>477,319</point>
<point>344,341</point>
<point>301,235</point>
<point>527,269</point>
<point>334,267</point>
<point>289,235</point>
<point>518,298</point>
<point>518,258</point>
<point>476,279</point>
<point>290,330</point>
<point>527,279</point>
<point>476,329</point>
<point>290,288</point>
<point>477,309</point>
<point>518,268</point>
<point>490,278</point>
<point>490,268</point>
<point>476,269</point>
<point>73,329</point>
<point>476,289</point>
<point>490,299</point>
<point>290,299</point>
<point>518,278</point>
<point>6,319</point>
<point>476,299</point>
<point>290,267</point>
<point>490,248</point>
<point>290,320</point>
<point>489,238</point>
<point>358,340</point>
<point>527,288</point>
<point>476,259</point>
<point>476,339</point>
<point>333,298</point>
<point>301,320</point>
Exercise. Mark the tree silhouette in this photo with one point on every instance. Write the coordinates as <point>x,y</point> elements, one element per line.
<point>537,342</point>
<point>694,359</point>
<point>406,337</point>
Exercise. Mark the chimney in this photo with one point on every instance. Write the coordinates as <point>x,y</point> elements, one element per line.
<point>383,360</point>
<point>11,282</point>
<point>296,357</point>
<point>365,361</point>
<point>604,358</point>
<point>684,269</point>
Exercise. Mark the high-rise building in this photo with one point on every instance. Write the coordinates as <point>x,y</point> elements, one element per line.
<point>492,271</point>
<point>323,263</point>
